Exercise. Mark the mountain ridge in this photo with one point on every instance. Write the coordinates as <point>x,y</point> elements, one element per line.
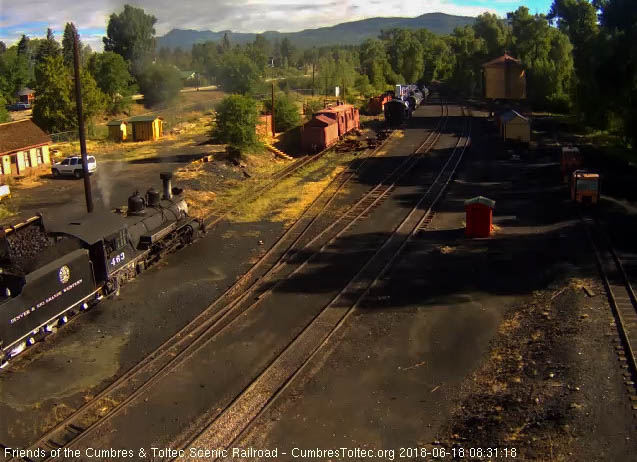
<point>347,33</point>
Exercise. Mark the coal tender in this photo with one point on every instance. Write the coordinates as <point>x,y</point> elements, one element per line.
<point>48,274</point>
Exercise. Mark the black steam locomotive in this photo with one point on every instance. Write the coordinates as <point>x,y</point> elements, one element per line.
<point>397,111</point>
<point>49,274</point>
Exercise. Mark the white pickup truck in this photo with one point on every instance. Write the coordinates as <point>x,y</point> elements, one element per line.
<point>73,166</point>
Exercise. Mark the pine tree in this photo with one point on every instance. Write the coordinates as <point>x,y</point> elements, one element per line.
<point>48,47</point>
<point>23,46</point>
<point>67,44</point>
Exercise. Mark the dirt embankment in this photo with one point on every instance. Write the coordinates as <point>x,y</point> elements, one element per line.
<point>552,386</point>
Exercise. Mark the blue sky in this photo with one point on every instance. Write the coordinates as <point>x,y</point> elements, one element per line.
<point>32,17</point>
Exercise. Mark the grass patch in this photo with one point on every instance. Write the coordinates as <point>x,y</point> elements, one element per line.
<point>6,212</point>
<point>286,201</point>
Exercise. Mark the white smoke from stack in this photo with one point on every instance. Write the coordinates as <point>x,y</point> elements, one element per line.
<point>105,180</point>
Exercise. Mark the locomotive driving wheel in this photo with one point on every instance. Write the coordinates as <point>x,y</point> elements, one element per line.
<point>188,235</point>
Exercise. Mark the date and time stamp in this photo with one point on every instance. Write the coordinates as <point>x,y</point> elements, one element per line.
<point>411,453</point>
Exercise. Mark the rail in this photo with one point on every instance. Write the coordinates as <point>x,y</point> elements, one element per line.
<point>228,427</point>
<point>182,345</point>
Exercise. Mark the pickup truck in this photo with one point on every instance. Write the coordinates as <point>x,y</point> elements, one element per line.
<point>18,107</point>
<point>73,166</point>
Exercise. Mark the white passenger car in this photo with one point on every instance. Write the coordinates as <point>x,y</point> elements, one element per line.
<point>73,166</point>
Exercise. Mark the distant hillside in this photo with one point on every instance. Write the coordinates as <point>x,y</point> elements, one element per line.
<point>349,33</point>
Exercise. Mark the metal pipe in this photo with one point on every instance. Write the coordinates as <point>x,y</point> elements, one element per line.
<point>80,121</point>
<point>168,190</point>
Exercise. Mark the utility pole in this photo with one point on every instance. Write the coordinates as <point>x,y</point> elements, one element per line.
<point>273,127</point>
<point>313,79</point>
<point>80,122</point>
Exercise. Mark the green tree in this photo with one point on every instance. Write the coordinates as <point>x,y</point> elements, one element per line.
<point>225,43</point>
<point>131,34</point>
<point>3,47</point>
<point>363,86</point>
<point>406,54</point>
<point>286,112</point>
<point>578,20</point>
<point>439,59</point>
<point>468,50</point>
<point>110,72</point>
<point>312,106</point>
<point>257,51</point>
<point>4,115</point>
<point>23,46</point>
<point>495,33</point>
<point>618,63</point>
<point>53,110</point>
<point>14,73</point>
<point>160,84</point>
<point>238,74</point>
<point>287,51</point>
<point>374,63</point>
<point>93,100</point>
<point>49,47</point>
<point>206,59</point>
<point>547,54</point>
<point>236,121</point>
<point>67,44</point>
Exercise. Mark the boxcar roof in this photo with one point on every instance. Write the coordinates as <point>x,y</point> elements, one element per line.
<point>89,227</point>
<point>339,108</point>
<point>321,120</point>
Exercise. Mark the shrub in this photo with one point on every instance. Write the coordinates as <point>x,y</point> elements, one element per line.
<point>286,112</point>
<point>160,84</point>
<point>236,121</point>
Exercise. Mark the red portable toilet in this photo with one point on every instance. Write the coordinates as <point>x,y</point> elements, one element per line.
<point>479,216</point>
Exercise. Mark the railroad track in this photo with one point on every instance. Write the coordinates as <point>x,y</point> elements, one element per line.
<point>132,384</point>
<point>227,429</point>
<point>621,297</point>
<point>216,216</point>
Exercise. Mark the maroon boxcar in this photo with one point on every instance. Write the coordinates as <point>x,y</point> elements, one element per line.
<point>319,133</point>
<point>343,114</point>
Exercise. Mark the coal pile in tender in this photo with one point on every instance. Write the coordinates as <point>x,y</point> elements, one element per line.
<point>25,245</point>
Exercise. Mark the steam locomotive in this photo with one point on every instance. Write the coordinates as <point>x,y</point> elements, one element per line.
<point>405,101</point>
<point>49,274</point>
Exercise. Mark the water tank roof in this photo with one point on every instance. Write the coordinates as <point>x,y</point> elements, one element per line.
<point>502,60</point>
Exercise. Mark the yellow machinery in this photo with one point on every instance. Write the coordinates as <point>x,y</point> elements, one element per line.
<point>585,187</point>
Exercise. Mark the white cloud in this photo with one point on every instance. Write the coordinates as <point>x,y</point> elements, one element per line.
<point>245,16</point>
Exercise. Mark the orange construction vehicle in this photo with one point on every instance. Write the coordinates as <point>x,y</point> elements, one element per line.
<point>585,187</point>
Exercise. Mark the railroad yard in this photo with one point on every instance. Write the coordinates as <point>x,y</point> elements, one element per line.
<point>356,314</point>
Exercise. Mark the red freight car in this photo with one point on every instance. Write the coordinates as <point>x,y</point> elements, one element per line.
<point>377,103</point>
<point>345,115</point>
<point>319,133</point>
<point>328,125</point>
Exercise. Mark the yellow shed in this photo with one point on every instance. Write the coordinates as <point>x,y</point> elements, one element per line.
<point>146,128</point>
<point>117,130</point>
<point>504,78</point>
<point>515,127</point>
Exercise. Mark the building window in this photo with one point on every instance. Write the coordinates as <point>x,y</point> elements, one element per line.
<point>27,158</point>
<point>39,155</point>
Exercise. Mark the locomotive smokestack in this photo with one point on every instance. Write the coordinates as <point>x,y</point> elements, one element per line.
<point>168,190</point>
